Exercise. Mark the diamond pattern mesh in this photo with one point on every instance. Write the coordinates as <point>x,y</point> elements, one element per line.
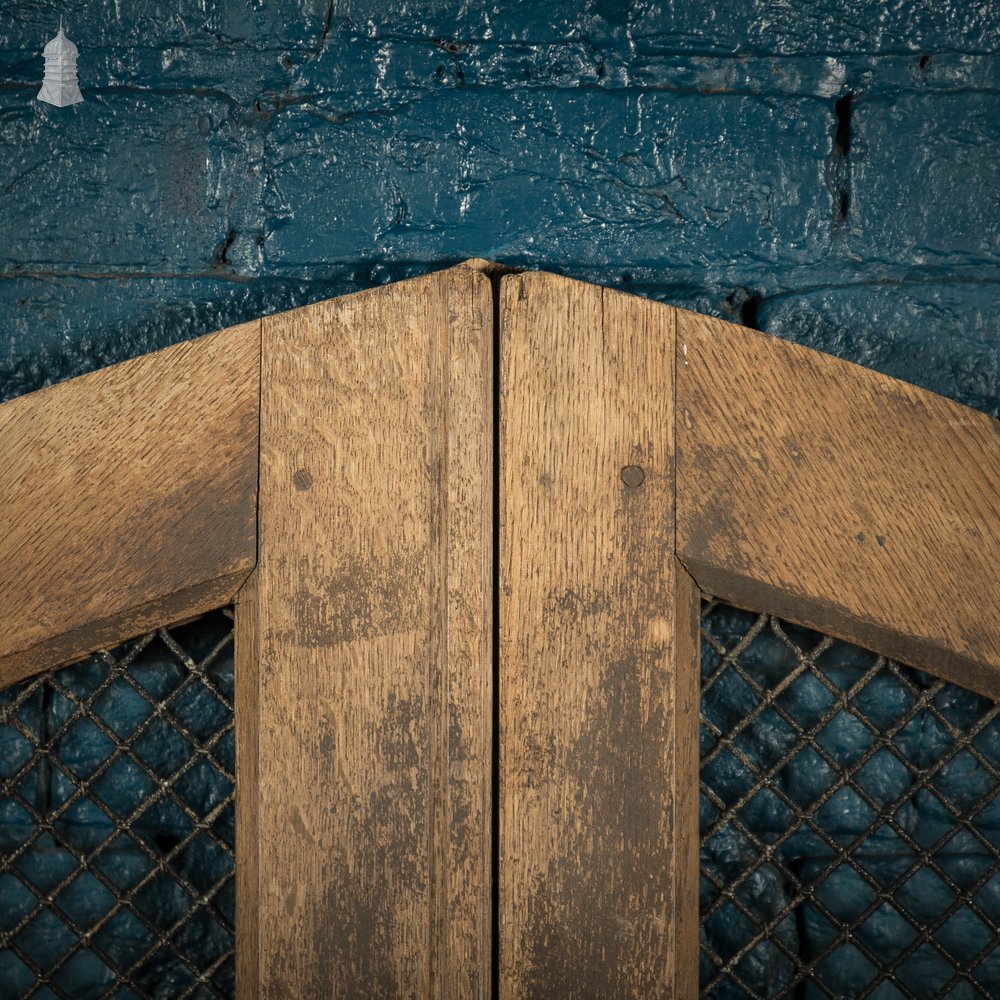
<point>117,822</point>
<point>850,821</point>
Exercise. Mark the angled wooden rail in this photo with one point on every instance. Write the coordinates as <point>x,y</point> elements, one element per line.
<point>467,654</point>
<point>128,499</point>
<point>840,499</point>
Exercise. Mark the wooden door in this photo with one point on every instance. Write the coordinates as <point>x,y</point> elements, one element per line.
<point>467,522</point>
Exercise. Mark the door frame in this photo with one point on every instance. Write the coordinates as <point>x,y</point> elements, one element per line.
<point>403,511</point>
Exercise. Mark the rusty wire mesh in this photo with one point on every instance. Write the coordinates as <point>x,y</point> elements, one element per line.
<point>850,821</point>
<point>117,822</point>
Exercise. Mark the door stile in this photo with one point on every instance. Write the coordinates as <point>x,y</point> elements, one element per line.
<point>365,653</point>
<point>596,626</point>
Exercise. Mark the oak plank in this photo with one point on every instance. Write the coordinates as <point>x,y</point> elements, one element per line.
<point>128,499</point>
<point>246,717</point>
<point>839,498</point>
<point>685,774</point>
<point>372,677</point>
<point>590,621</point>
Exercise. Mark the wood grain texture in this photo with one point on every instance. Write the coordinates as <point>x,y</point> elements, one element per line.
<point>685,773</point>
<point>372,619</point>
<point>246,715</point>
<point>128,498</point>
<point>839,498</point>
<point>587,645</point>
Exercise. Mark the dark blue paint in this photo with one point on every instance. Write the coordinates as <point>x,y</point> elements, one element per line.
<point>233,159</point>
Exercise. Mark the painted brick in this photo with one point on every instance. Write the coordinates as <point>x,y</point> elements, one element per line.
<point>590,177</point>
<point>925,178</point>
<point>129,180</point>
<point>760,25</point>
<point>237,158</point>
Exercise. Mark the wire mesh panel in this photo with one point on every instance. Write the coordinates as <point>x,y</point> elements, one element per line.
<point>850,821</point>
<point>117,822</point>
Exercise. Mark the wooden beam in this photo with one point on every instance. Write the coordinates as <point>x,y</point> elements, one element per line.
<point>128,499</point>
<point>365,660</point>
<point>840,499</point>
<point>596,652</point>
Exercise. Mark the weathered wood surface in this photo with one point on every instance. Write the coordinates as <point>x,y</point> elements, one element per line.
<point>590,618</point>
<point>246,717</point>
<point>372,642</point>
<point>127,498</point>
<point>685,839</point>
<point>839,498</point>
<point>805,486</point>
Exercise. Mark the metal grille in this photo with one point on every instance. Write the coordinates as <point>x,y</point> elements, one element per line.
<point>117,822</point>
<point>849,821</point>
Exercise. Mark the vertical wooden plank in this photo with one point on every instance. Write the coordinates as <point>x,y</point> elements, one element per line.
<point>372,622</point>
<point>685,773</point>
<point>246,717</point>
<point>589,622</point>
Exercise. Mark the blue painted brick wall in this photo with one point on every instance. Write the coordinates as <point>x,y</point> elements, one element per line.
<point>827,170</point>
